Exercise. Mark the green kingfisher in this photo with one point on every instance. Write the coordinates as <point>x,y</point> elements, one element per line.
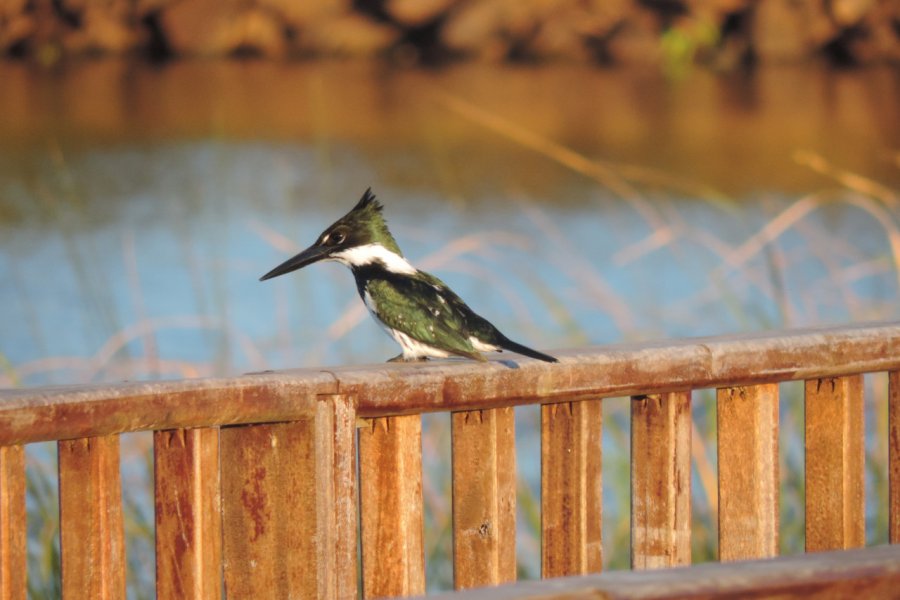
<point>415,308</point>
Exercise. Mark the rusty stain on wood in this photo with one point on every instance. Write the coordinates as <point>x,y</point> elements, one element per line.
<point>188,514</point>
<point>661,480</point>
<point>748,471</point>
<point>835,464</point>
<point>268,509</point>
<point>13,554</point>
<point>894,456</point>
<point>92,536</point>
<point>571,488</point>
<point>619,370</point>
<point>865,573</point>
<point>484,497</point>
<point>288,511</point>
<point>390,472</point>
<point>266,473</point>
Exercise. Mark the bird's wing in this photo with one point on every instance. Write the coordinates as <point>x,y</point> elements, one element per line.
<point>477,326</point>
<point>425,310</point>
<point>473,323</point>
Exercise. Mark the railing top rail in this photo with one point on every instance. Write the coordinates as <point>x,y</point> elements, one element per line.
<point>64,412</point>
<point>868,572</point>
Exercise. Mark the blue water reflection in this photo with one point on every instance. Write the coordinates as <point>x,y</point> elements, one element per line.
<point>146,259</point>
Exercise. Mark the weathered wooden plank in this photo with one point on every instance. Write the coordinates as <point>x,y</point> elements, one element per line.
<point>288,499</point>
<point>188,514</point>
<point>864,573</point>
<point>661,480</point>
<point>13,555</point>
<point>484,497</point>
<point>626,369</point>
<point>92,535</point>
<point>390,470</point>
<point>835,464</point>
<point>748,471</point>
<point>571,490</point>
<point>268,506</point>
<point>343,518</point>
<point>894,455</point>
<point>80,411</point>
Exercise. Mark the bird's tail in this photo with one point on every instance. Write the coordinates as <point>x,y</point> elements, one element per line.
<point>508,344</point>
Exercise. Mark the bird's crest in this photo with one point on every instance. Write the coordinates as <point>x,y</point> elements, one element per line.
<point>367,216</point>
<point>368,202</point>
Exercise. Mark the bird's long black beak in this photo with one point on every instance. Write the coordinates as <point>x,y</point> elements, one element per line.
<point>307,257</point>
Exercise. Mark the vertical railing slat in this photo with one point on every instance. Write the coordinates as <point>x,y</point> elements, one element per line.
<point>484,497</point>
<point>13,584</point>
<point>390,470</point>
<point>268,509</point>
<point>661,480</point>
<point>188,514</point>
<point>835,463</point>
<point>288,504</point>
<point>571,488</point>
<point>894,456</point>
<point>748,471</point>
<point>340,412</point>
<point>92,542</point>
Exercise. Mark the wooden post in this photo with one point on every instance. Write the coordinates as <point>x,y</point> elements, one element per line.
<point>188,514</point>
<point>484,497</point>
<point>748,471</point>
<point>390,471</point>
<point>894,455</point>
<point>661,480</point>
<point>13,555</point>
<point>288,499</point>
<point>92,536</point>
<point>571,488</point>
<point>835,463</point>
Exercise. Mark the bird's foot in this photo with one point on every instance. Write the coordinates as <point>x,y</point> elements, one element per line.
<point>401,358</point>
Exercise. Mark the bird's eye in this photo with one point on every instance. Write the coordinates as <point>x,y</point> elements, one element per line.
<point>335,238</point>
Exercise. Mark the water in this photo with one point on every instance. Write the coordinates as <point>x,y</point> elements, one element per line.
<point>154,251</point>
<point>570,206</point>
<point>139,205</point>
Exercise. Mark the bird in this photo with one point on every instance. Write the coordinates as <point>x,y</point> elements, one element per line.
<point>424,316</point>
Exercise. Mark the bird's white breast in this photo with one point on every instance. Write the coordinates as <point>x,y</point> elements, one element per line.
<point>412,348</point>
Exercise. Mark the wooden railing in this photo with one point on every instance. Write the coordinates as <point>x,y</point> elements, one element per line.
<point>257,482</point>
